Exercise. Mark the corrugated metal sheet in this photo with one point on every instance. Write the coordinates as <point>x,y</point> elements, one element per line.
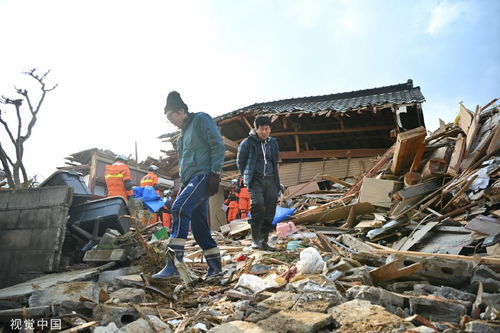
<point>296,173</point>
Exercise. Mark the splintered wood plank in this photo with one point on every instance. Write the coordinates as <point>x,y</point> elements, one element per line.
<point>407,145</point>
<point>464,118</point>
<point>392,271</point>
<point>478,151</point>
<point>495,141</point>
<point>457,156</point>
<point>472,132</point>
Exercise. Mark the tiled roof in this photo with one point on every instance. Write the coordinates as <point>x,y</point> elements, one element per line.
<point>341,102</point>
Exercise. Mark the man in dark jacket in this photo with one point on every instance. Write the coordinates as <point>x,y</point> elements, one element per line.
<point>201,154</point>
<point>257,162</point>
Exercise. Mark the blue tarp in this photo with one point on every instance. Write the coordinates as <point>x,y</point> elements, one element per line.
<point>149,197</point>
<point>282,214</point>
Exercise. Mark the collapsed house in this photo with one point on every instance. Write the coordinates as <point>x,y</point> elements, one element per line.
<point>411,245</point>
<point>337,134</point>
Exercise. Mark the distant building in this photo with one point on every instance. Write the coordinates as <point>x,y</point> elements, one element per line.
<point>91,163</point>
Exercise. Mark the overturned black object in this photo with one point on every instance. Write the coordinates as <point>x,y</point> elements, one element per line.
<point>74,180</point>
<point>92,218</point>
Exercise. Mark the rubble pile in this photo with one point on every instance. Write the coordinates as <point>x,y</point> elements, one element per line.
<point>413,246</point>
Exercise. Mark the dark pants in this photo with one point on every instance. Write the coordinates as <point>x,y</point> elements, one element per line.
<point>263,196</point>
<point>191,207</point>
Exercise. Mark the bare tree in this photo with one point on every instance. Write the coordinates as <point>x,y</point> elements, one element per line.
<point>13,165</point>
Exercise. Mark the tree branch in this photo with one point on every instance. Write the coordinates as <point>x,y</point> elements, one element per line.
<point>4,153</point>
<point>18,142</point>
<point>7,128</point>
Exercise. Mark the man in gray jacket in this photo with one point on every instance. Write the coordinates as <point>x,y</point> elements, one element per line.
<point>201,154</point>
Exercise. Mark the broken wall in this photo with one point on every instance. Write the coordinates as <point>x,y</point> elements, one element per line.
<point>32,230</point>
<point>297,173</point>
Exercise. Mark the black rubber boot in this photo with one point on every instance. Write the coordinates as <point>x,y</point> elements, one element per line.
<point>214,261</point>
<point>170,271</point>
<point>265,239</point>
<point>256,237</point>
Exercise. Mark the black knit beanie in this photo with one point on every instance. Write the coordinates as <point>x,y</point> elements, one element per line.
<point>175,102</point>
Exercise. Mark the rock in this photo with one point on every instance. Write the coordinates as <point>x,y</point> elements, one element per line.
<point>358,316</point>
<point>141,325</point>
<point>437,309</point>
<point>257,316</point>
<point>390,301</point>
<point>294,321</point>
<point>490,279</point>
<point>129,295</point>
<point>239,326</point>
<point>120,315</point>
<point>479,326</point>
<point>282,300</point>
<point>67,293</point>
<point>315,302</point>
<point>111,328</point>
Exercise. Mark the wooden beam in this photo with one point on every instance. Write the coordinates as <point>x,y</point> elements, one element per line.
<point>338,130</point>
<point>393,271</point>
<point>245,120</point>
<point>339,153</point>
<point>230,145</point>
<point>476,259</point>
<point>457,156</point>
<point>336,180</point>
<point>473,129</point>
<point>493,101</point>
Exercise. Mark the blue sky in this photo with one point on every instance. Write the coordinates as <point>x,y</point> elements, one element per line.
<point>115,61</point>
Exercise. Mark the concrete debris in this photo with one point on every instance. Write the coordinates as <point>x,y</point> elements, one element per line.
<point>65,292</point>
<point>409,246</point>
<point>294,321</point>
<point>128,295</point>
<point>489,278</point>
<point>390,301</point>
<point>359,316</point>
<point>479,326</point>
<point>141,325</point>
<point>239,326</point>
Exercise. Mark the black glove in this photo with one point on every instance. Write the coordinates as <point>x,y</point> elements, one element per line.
<point>213,183</point>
